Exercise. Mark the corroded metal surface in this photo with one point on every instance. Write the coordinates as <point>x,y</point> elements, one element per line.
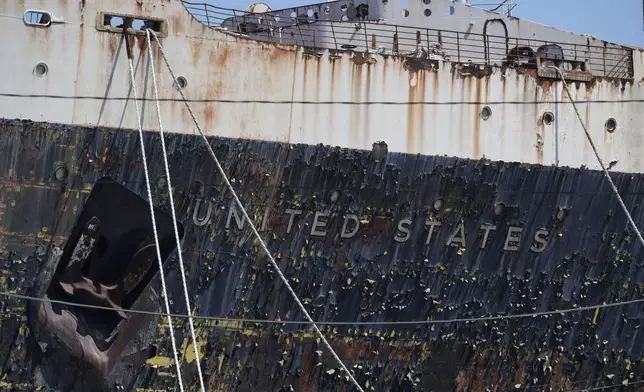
<point>424,249</point>
<point>395,28</point>
<point>85,61</point>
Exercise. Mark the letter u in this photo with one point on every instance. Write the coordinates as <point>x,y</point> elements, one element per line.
<point>195,215</point>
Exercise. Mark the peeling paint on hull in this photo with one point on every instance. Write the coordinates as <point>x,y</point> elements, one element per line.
<point>590,258</point>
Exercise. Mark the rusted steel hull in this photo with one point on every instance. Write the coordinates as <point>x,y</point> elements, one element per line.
<point>424,249</point>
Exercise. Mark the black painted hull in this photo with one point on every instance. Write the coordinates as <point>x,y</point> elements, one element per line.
<point>385,271</point>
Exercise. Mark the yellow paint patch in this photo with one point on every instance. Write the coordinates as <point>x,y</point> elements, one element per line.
<point>189,350</point>
<point>158,361</point>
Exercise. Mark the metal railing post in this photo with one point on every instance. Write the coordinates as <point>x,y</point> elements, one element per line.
<point>335,41</point>
<point>458,48</point>
<point>427,37</point>
<point>366,39</point>
<point>205,8</point>
<point>236,21</point>
<point>396,40</point>
<point>299,28</point>
<point>604,58</point>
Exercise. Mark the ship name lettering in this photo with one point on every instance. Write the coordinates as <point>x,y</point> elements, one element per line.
<point>513,238</point>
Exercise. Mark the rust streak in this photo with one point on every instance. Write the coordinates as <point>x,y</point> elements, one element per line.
<point>412,78</point>
<point>476,142</point>
<point>113,42</point>
<point>196,51</point>
<point>587,122</point>
<point>223,56</point>
<point>176,24</point>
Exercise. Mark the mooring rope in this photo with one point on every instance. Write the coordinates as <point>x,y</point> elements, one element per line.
<point>174,215</point>
<point>154,224</point>
<point>252,226</point>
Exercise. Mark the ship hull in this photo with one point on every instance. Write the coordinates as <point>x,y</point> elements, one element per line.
<point>361,235</point>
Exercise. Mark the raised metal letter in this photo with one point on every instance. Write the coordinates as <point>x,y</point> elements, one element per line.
<point>319,224</point>
<point>431,225</point>
<point>195,214</point>
<point>290,221</point>
<point>265,219</point>
<point>233,212</point>
<point>353,217</point>
<point>460,230</point>
<point>487,229</point>
<point>403,227</point>
<point>540,238</point>
<point>512,238</point>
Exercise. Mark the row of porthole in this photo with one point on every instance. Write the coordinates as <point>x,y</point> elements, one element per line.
<point>41,70</point>
<point>548,118</point>
<point>427,12</point>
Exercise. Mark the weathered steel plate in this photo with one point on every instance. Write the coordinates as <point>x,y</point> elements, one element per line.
<point>560,241</point>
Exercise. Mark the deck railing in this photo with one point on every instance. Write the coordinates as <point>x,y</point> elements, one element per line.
<point>601,60</point>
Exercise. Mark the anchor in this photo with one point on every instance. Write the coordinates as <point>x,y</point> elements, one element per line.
<point>109,261</point>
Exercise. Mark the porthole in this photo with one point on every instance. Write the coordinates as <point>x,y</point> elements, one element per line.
<point>37,18</point>
<point>499,208</point>
<point>611,125</point>
<point>548,118</point>
<point>343,8</point>
<point>427,12</point>
<point>486,112</point>
<point>427,2</point>
<point>438,204</point>
<point>41,69</point>
<point>181,83</point>
<point>405,13</point>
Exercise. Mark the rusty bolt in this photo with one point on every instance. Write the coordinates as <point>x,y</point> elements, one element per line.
<point>335,196</point>
<point>562,213</point>
<point>61,173</point>
<point>162,183</point>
